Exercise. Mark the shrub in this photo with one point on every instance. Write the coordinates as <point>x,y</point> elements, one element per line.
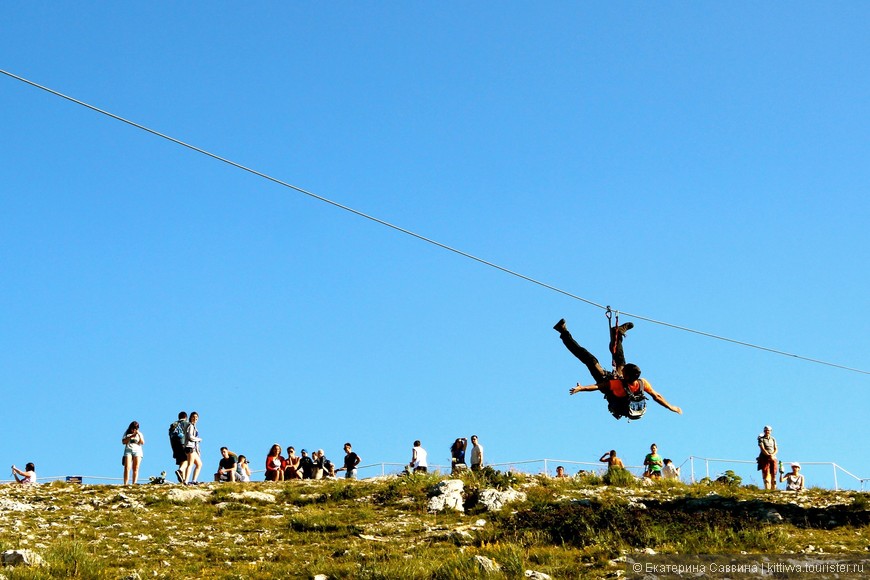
<point>619,477</point>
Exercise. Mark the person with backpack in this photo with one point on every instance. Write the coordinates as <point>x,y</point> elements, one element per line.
<point>177,434</point>
<point>624,389</point>
<point>766,460</point>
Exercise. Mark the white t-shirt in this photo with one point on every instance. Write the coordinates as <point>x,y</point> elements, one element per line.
<point>794,482</point>
<point>420,458</point>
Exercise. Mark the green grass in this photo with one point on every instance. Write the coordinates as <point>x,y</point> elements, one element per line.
<point>567,528</point>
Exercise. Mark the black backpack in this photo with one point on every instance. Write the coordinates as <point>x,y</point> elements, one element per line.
<point>176,433</point>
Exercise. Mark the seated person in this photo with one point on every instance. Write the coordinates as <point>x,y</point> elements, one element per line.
<point>27,476</point>
<point>275,464</point>
<point>317,464</point>
<point>669,471</point>
<point>243,469</point>
<point>328,467</point>
<point>227,466</point>
<point>306,465</point>
<point>794,481</point>
<point>291,465</point>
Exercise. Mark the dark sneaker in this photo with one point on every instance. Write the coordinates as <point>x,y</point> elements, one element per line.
<point>560,326</point>
<point>179,475</point>
<point>623,328</point>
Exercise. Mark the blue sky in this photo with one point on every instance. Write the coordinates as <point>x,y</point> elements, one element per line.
<point>699,164</point>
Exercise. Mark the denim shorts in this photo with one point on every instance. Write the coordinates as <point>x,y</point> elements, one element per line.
<point>134,450</point>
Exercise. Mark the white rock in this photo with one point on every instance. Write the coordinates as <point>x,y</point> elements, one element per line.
<point>450,486</point>
<point>487,565</point>
<point>536,575</point>
<point>255,495</point>
<point>25,557</point>
<point>449,496</point>
<point>7,505</point>
<point>185,495</point>
<point>494,499</point>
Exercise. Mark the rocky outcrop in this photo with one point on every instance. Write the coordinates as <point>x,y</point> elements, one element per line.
<point>448,495</point>
<point>493,500</point>
<point>20,557</point>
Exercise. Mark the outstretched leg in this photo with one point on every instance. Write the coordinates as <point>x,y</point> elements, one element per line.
<point>587,358</point>
<point>616,335</point>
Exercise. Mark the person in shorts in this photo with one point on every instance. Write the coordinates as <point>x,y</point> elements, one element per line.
<point>133,441</point>
<point>227,466</point>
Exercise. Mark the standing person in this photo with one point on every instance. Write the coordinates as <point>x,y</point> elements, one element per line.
<point>275,464</point>
<point>476,454</point>
<point>612,461</point>
<point>457,454</point>
<point>794,481</point>
<point>767,457</point>
<point>227,466</point>
<point>177,435</point>
<point>133,441</point>
<point>191,447</point>
<point>653,462</point>
<point>624,390</point>
<point>291,465</point>
<point>419,462</point>
<point>351,460</point>
<point>28,476</point>
<point>243,469</point>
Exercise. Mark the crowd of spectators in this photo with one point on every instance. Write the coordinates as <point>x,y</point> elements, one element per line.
<point>185,443</point>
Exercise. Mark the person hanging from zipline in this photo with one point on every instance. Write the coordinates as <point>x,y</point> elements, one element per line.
<point>623,388</point>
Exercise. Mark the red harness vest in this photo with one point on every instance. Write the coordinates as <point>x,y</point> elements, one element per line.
<point>617,387</point>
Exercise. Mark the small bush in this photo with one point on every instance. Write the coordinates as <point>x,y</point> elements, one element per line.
<point>489,477</point>
<point>619,477</point>
<point>67,559</point>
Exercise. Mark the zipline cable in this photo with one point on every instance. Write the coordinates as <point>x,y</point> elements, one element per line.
<point>414,234</point>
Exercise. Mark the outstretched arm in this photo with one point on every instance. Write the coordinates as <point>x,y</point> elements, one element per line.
<point>582,389</point>
<point>661,401</point>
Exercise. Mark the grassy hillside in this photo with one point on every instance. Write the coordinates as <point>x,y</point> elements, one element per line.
<point>383,529</point>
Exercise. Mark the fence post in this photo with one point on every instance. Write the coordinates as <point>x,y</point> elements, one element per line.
<point>546,469</point>
<point>836,486</point>
<point>692,464</point>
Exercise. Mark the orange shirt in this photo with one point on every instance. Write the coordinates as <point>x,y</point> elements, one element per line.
<point>618,389</point>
